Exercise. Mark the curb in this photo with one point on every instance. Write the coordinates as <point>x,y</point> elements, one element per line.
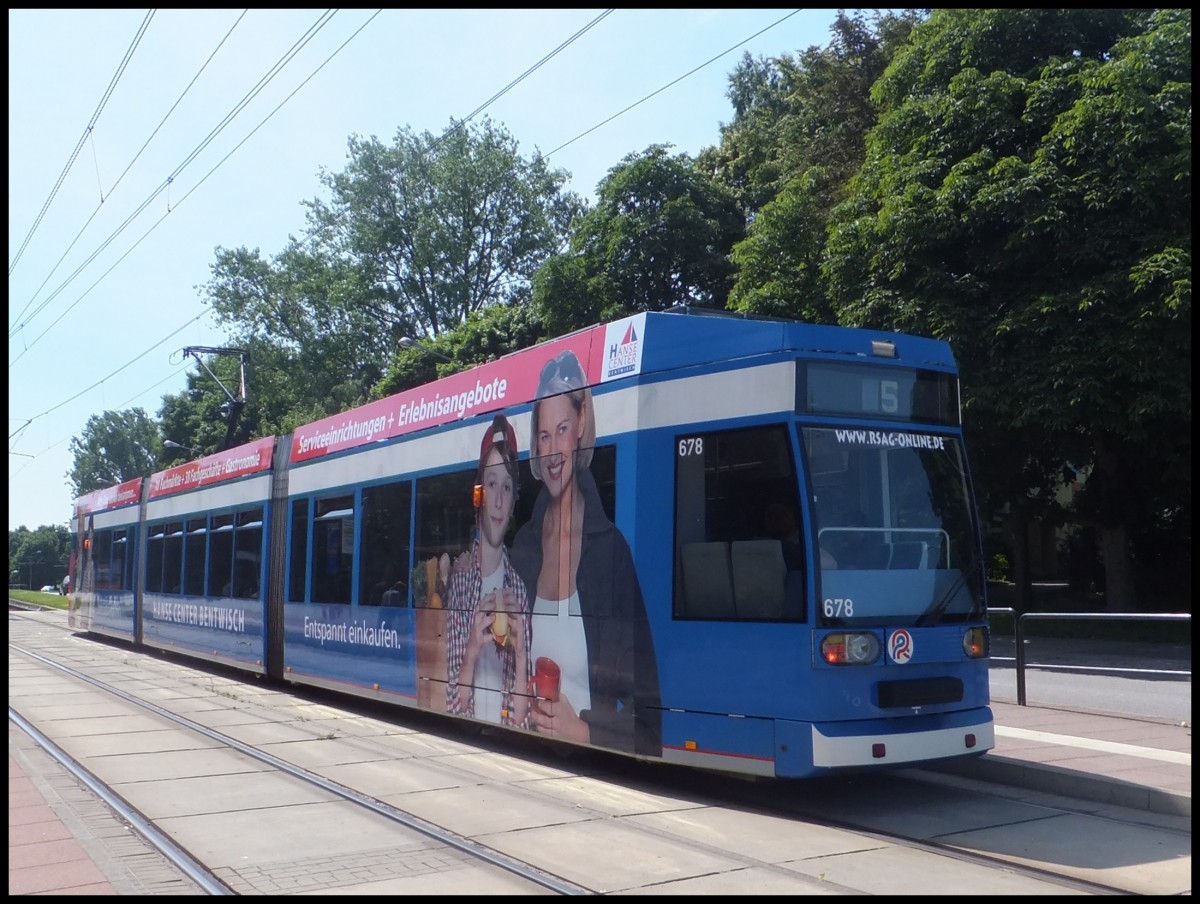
<point>1002,770</point>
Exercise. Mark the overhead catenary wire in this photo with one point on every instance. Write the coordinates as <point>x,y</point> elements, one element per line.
<point>262,122</point>
<point>86,132</point>
<point>144,235</point>
<point>126,403</point>
<point>229,117</point>
<point>524,75</point>
<point>125,172</point>
<point>671,83</point>
<point>457,124</point>
<point>313,29</point>
<point>128,363</point>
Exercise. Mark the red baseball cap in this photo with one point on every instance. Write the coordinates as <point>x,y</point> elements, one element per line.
<point>500,431</point>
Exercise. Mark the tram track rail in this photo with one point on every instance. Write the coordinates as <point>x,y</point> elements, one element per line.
<point>772,800</point>
<point>179,858</point>
<point>197,871</point>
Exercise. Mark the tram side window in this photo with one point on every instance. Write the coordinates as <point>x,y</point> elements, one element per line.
<point>121,560</point>
<point>737,529</point>
<point>445,526</point>
<point>220,555</point>
<point>386,545</point>
<point>247,559</point>
<point>173,558</point>
<point>154,558</point>
<point>102,557</point>
<point>298,557</point>
<point>333,549</point>
<point>195,544</point>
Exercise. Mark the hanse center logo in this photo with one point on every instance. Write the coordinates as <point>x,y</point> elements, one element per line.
<point>624,355</point>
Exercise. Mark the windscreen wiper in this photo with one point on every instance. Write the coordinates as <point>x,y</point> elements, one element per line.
<point>936,609</point>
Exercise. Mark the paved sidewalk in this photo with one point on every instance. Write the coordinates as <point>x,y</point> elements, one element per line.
<point>1108,759</point>
<point>45,855</point>
<point>64,839</point>
<point>1104,759</point>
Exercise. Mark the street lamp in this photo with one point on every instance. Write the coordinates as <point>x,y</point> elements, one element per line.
<point>171,444</point>
<point>409,342</point>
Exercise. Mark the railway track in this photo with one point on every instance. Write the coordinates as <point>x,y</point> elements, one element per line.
<point>251,789</point>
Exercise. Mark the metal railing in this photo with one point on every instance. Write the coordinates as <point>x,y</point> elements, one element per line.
<point>1019,641</point>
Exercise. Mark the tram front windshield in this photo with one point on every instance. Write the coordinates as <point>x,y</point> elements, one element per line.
<point>896,528</point>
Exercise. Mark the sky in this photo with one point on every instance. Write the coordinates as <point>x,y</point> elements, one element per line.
<point>140,141</point>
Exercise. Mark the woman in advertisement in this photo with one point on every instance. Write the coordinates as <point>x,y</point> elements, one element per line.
<point>488,637</point>
<point>596,676</point>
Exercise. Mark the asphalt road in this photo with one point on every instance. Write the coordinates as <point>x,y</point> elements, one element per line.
<point>1128,677</point>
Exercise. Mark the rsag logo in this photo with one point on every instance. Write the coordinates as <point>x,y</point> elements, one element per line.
<point>900,646</point>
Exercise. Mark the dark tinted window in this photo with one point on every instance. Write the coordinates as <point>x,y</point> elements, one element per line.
<point>247,555</point>
<point>172,580</point>
<point>195,545</point>
<point>220,556</point>
<point>386,546</point>
<point>333,549</point>
<point>298,558</point>
<point>738,552</point>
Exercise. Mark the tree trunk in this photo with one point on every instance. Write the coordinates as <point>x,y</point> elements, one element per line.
<point>1119,593</point>
<point>1116,505</point>
<point>1018,527</point>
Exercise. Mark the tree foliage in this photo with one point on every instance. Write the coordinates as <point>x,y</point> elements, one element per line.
<point>113,447</point>
<point>38,557</point>
<point>316,342</point>
<point>417,239</point>
<point>1027,197</point>
<point>659,235</point>
<point>779,262</point>
<point>486,335</point>
<point>438,227</point>
<point>798,136</point>
<point>806,112</point>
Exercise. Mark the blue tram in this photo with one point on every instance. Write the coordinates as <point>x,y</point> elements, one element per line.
<point>735,544</point>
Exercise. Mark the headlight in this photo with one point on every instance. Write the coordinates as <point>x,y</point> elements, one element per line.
<point>976,643</point>
<point>850,648</point>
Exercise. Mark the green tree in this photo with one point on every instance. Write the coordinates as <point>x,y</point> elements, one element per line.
<point>1027,196</point>
<point>417,239</point>
<point>38,557</point>
<point>798,136</point>
<point>315,335</point>
<point>114,446</point>
<point>811,111</point>
<point>659,235</point>
<point>486,335</point>
<point>437,227</point>
<point>779,262</point>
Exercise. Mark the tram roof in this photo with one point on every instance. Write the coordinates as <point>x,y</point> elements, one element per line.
<point>646,343</point>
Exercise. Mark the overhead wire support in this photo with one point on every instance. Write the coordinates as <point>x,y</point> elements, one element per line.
<point>236,403</point>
